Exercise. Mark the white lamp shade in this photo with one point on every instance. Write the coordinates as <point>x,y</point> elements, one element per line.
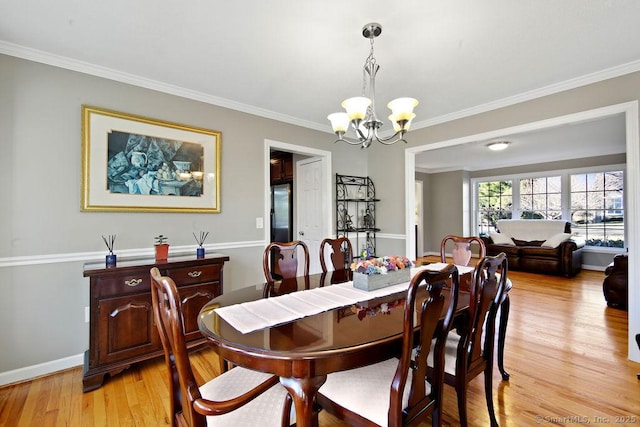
<point>402,108</point>
<point>396,126</point>
<point>339,121</point>
<point>356,107</point>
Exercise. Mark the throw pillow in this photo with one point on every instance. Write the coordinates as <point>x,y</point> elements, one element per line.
<point>501,239</point>
<point>555,240</point>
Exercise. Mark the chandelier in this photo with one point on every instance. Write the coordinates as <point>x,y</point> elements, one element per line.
<point>361,110</point>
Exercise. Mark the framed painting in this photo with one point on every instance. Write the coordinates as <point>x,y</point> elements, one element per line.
<point>137,164</point>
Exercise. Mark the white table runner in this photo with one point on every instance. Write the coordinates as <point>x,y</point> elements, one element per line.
<point>263,313</point>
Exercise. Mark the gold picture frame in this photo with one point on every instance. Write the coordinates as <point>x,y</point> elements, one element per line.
<point>136,164</point>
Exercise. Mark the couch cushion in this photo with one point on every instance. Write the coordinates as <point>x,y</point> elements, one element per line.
<point>528,243</point>
<point>555,240</point>
<point>501,239</point>
<point>539,252</point>
<point>531,229</point>
<point>509,250</point>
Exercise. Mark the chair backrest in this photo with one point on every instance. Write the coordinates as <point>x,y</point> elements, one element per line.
<point>461,248</point>
<point>188,407</point>
<point>167,310</point>
<point>281,260</point>
<point>490,278</point>
<point>427,312</point>
<point>341,253</point>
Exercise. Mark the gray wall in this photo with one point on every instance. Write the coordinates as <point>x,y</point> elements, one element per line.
<point>46,238</point>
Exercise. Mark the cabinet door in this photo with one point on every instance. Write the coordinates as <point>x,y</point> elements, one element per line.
<point>193,298</point>
<point>127,328</point>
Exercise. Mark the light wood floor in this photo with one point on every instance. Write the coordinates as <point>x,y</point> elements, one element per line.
<point>566,352</point>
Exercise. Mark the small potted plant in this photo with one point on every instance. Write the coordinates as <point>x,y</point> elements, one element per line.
<point>161,247</point>
<point>200,240</point>
<point>111,258</point>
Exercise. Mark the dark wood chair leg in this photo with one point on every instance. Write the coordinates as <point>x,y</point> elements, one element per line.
<point>461,391</point>
<point>638,342</point>
<point>502,333</point>
<point>488,391</point>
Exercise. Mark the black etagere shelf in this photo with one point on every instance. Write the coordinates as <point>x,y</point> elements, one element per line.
<point>356,212</point>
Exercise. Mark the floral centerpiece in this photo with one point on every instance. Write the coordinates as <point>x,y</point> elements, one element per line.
<point>375,273</point>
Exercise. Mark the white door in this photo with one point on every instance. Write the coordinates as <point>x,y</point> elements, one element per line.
<point>310,208</point>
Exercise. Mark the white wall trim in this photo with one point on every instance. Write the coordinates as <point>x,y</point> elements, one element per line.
<point>119,76</point>
<point>97,256</point>
<point>132,79</point>
<point>598,76</point>
<point>34,371</point>
<point>391,236</point>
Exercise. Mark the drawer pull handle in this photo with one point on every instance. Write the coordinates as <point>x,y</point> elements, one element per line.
<point>198,294</point>
<point>133,282</point>
<point>194,274</point>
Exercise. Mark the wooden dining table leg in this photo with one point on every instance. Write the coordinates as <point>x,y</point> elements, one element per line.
<point>303,391</point>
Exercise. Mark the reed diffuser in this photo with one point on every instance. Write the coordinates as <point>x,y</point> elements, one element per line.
<point>200,240</point>
<point>110,259</point>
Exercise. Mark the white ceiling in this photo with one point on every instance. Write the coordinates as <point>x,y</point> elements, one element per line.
<point>295,60</point>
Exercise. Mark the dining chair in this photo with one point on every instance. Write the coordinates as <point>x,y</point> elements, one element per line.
<point>469,348</point>
<point>461,248</point>
<point>341,253</point>
<point>462,253</point>
<point>237,397</point>
<point>399,392</point>
<point>281,260</point>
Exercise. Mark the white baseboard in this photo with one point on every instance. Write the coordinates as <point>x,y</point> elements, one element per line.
<point>31,372</point>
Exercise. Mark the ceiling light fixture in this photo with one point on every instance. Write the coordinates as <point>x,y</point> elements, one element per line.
<point>498,145</point>
<point>361,110</point>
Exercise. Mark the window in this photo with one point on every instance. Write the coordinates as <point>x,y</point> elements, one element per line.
<point>541,198</point>
<point>495,202</point>
<point>593,200</point>
<point>597,207</point>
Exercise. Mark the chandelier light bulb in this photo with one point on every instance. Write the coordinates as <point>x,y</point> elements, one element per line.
<point>402,108</point>
<point>356,107</point>
<point>339,121</point>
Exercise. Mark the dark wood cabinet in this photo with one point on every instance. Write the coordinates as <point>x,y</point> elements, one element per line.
<point>281,167</point>
<point>122,329</point>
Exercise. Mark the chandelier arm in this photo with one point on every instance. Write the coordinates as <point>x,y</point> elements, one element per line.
<point>389,140</point>
<point>347,141</point>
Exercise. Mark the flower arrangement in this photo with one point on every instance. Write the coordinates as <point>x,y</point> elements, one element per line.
<point>381,265</point>
<point>384,308</point>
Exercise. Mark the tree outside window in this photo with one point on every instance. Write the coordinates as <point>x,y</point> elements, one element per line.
<point>495,201</point>
<point>597,208</point>
<point>541,198</point>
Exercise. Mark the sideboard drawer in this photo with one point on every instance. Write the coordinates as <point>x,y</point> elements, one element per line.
<point>195,274</point>
<point>123,285</point>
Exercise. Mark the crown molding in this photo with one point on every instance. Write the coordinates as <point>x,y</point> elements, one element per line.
<point>135,80</point>
<point>139,81</point>
<point>598,76</point>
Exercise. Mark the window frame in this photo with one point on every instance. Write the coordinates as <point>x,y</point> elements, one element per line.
<point>565,175</point>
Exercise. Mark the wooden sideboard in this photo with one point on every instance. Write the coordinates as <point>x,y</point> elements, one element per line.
<point>122,329</point>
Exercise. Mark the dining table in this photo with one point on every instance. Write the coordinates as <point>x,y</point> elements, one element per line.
<point>304,350</point>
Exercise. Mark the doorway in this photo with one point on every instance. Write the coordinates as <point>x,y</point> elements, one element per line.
<point>632,180</point>
<point>325,219</point>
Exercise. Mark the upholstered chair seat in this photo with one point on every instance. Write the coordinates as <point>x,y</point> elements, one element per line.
<point>264,410</point>
<point>365,391</point>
